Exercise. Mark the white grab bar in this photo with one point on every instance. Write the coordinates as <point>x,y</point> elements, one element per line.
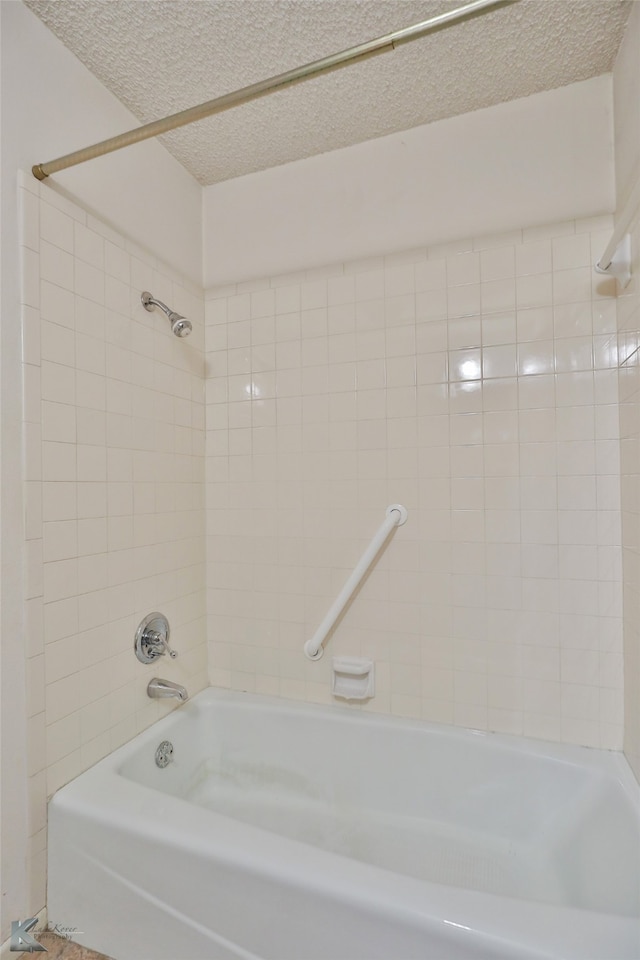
<point>616,259</point>
<point>395,516</point>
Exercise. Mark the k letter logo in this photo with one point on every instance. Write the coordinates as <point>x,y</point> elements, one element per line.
<point>21,942</point>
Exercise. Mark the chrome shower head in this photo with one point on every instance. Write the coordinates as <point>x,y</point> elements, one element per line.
<point>180,326</point>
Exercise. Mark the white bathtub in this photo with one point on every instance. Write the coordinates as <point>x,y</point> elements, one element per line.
<point>290,832</point>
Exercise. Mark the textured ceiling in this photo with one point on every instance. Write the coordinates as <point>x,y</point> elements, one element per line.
<point>161,56</point>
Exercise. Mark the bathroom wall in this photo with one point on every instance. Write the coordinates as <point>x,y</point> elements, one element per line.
<point>626,102</point>
<point>114,491</point>
<point>52,104</point>
<point>537,160</point>
<point>629,349</point>
<point>626,88</point>
<point>475,383</point>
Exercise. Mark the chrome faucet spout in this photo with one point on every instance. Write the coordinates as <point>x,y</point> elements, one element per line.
<point>161,689</point>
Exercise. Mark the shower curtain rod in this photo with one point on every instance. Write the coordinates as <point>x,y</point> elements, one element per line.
<point>262,88</point>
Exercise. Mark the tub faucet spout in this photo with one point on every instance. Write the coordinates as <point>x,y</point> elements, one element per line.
<point>160,689</point>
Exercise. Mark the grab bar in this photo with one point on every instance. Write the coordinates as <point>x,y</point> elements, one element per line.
<point>395,515</point>
<point>616,259</point>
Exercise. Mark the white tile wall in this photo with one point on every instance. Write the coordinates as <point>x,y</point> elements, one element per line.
<point>477,384</point>
<point>114,490</point>
<point>629,380</point>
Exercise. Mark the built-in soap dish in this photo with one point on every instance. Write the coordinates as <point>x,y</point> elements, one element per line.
<point>352,678</point>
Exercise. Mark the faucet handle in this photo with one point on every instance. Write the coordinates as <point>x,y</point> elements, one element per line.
<point>159,644</point>
<point>152,639</point>
<point>172,653</point>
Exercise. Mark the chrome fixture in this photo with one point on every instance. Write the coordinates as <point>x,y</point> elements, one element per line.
<point>152,639</point>
<point>383,44</point>
<point>164,754</point>
<point>180,326</point>
<point>159,689</point>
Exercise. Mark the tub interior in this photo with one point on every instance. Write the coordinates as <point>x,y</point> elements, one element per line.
<point>453,808</point>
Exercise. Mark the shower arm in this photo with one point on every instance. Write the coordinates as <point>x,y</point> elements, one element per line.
<point>262,88</point>
<point>149,301</point>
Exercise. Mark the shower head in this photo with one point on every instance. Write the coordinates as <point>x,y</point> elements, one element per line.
<point>180,326</point>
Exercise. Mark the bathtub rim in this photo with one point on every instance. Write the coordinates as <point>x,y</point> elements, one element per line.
<point>595,759</point>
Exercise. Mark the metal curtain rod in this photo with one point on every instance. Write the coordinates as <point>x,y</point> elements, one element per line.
<point>260,89</point>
